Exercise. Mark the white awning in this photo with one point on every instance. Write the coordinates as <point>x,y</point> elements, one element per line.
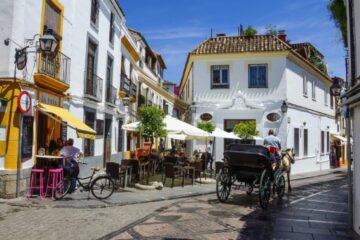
<point>218,133</point>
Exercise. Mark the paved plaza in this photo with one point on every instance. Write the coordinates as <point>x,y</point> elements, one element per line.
<point>316,209</point>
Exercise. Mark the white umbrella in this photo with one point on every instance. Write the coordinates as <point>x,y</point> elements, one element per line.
<point>222,134</point>
<point>175,126</point>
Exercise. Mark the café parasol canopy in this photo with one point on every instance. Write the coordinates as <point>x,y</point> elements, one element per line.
<point>82,130</point>
<point>175,127</point>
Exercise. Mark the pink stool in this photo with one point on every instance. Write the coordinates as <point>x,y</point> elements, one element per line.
<point>55,176</point>
<point>41,182</point>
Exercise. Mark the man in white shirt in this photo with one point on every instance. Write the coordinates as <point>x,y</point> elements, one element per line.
<point>69,150</point>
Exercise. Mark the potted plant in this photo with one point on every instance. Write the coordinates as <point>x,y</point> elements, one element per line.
<point>246,130</point>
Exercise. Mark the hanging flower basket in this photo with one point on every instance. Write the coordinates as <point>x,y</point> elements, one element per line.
<point>132,99</point>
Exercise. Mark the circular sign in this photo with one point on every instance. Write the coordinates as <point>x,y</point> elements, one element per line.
<point>273,117</point>
<point>24,102</point>
<point>206,116</point>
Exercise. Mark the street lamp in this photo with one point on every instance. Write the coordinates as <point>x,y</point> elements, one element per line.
<point>336,87</point>
<point>48,43</point>
<point>284,107</point>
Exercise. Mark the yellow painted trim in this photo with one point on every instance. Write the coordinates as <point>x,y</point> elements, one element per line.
<point>50,83</point>
<point>130,48</point>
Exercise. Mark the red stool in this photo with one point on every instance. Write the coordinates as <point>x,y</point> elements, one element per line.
<point>55,176</point>
<point>41,182</point>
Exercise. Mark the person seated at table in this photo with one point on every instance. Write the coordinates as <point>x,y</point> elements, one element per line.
<point>195,157</point>
<point>59,144</point>
<point>53,150</point>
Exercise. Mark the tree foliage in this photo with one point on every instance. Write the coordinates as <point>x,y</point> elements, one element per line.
<point>151,122</point>
<point>246,130</point>
<point>250,32</point>
<point>271,29</point>
<point>338,14</point>
<point>207,126</point>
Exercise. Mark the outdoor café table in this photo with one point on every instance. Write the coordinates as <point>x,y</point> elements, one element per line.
<point>186,171</point>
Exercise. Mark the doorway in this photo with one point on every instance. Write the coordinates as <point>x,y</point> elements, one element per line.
<point>107,139</point>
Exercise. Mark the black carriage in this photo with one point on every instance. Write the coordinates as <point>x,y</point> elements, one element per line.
<point>249,166</point>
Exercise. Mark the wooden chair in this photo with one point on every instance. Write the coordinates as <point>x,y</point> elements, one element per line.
<point>134,163</point>
<point>172,172</point>
<point>199,169</point>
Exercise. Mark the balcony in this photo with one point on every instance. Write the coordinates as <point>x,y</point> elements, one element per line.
<point>93,86</point>
<point>53,71</point>
<point>111,94</point>
<point>127,86</point>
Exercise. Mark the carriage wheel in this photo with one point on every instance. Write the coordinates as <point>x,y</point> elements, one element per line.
<point>223,184</point>
<point>250,189</point>
<point>264,189</point>
<point>280,187</point>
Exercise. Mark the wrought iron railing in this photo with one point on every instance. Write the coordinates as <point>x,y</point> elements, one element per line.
<point>93,86</point>
<point>55,65</point>
<point>111,94</point>
<point>125,84</point>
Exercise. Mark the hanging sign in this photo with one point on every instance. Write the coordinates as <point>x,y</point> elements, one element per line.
<point>24,102</point>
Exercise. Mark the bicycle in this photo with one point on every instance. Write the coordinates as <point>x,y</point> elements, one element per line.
<point>101,187</point>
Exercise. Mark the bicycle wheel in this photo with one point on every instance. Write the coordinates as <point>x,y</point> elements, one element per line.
<point>62,188</point>
<point>102,187</point>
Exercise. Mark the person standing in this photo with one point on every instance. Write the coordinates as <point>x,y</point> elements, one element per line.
<point>210,159</point>
<point>71,153</point>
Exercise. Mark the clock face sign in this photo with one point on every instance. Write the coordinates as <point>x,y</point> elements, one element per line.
<point>24,102</point>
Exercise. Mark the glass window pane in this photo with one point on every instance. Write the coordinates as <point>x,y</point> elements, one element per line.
<point>225,73</point>
<point>253,76</point>
<point>262,76</point>
<point>216,76</point>
<point>296,141</point>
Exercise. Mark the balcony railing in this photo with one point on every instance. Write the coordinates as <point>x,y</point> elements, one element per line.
<point>111,94</point>
<point>133,89</point>
<point>55,65</point>
<point>125,84</point>
<point>93,86</point>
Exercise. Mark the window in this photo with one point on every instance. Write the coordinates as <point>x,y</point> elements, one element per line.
<point>120,131</point>
<point>313,90</point>
<point>322,142</point>
<point>220,76</point>
<point>52,18</point>
<point>258,76</point>
<point>112,28</point>
<point>89,115</point>
<point>331,101</point>
<point>327,142</point>
<point>326,90</point>
<point>296,141</point>
<point>109,89</point>
<point>91,85</point>
<point>305,142</point>
<point>305,88</point>
<point>94,11</point>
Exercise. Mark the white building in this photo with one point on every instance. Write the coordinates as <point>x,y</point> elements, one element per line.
<point>353,23</point>
<point>97,73</point>
<point>242,78</point>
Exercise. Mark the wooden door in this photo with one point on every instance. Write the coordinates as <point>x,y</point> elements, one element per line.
<point>107,140</point>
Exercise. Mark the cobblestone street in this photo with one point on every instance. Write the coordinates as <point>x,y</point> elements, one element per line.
<point>316,209</point>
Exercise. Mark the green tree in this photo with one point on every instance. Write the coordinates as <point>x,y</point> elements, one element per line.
<point>250,32</point>
<point>271,29</point>
<point>338,14</point>
<point>246,130</point>
<point>151,123</point>
<point>207,126</point>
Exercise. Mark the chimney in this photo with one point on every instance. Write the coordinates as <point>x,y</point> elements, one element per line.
<point>282,35</point>
<point>220,35</point>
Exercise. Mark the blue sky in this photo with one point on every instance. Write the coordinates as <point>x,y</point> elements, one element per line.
<point>175,27</point>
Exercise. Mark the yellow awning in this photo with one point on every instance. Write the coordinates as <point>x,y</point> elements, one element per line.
<point>343,139</point>
<point>82,130</point>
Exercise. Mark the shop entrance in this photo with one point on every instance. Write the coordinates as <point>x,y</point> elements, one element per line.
<point>107,139</point>
<point>47,130</point>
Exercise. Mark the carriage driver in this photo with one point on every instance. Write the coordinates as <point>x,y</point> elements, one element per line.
<point>273,143</point>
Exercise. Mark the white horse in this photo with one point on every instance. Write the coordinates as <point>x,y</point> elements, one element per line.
<point>287,158</point>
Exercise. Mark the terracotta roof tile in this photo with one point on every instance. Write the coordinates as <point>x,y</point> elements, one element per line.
<point>239,44</point>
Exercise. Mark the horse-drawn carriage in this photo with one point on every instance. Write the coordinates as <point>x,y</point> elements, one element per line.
<point>249,166</point>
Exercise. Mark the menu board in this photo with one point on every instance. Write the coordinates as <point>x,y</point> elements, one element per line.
<point>27,137</point>
<point>63,132</point>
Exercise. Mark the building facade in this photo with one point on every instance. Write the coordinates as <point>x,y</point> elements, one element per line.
<point>353,100</point>
<point>237,79</point>
<point>99,72</point>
